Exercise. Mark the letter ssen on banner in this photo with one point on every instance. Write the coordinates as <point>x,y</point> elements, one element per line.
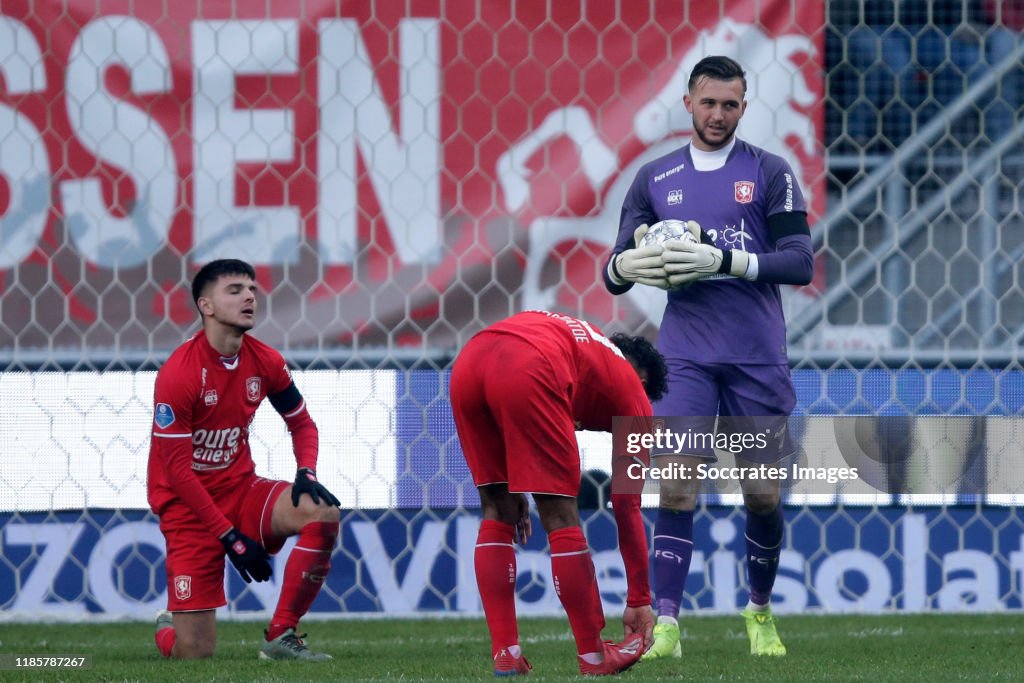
<point>366,159</point>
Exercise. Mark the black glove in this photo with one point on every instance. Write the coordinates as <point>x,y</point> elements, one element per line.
<point>305,482</point>
<point>248,556</point>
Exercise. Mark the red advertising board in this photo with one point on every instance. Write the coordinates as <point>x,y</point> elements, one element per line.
<point>400,173</point>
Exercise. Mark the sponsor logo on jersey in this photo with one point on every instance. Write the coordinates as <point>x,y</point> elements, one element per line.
<point>183,587</point>
<point>215,449</point>
<point>210,397</point>
<point>744,191</point>
<point>164,417</point>
<point>253,387</point>
<point>675,197</point>
<point>670,172</point>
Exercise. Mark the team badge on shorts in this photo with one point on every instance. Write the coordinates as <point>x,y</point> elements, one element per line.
<point>744,191</point>
<point>164,416</point>
<point>252,389</point>
<point>183,587</point>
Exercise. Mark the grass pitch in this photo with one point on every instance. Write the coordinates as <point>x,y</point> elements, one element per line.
<point>821,648</point>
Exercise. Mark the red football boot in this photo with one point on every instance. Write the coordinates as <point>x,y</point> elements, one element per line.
<point>617,657</point>
<point>507,665</point>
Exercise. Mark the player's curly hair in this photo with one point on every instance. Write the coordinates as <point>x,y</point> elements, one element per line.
<point>719,68</point>
<point>642,353</point>
<point>214,270</point>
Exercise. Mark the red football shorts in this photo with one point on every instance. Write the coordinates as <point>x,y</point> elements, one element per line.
<point>513,415</point>
<point>195,557</point>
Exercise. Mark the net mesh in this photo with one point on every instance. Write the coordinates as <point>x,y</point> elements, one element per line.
<point>403,174</point>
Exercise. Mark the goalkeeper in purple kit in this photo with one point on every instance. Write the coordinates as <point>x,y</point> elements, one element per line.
<point>723,334</point>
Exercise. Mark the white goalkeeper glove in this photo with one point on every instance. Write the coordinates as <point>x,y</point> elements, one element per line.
<point>639,264</point>
<point>687,262</point>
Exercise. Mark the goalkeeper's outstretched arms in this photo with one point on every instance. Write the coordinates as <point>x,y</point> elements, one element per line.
<point>792,262</point>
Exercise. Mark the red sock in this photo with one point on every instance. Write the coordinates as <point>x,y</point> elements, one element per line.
<point>304,575</point>
<point>573,573</point>
<point>495,561</point>
<point>165,641</point>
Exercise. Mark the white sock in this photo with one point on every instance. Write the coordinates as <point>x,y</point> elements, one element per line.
<point>668,620</point>
<point>757,608</point>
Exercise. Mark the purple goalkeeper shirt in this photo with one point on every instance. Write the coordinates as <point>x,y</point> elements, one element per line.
<point>721,319</point>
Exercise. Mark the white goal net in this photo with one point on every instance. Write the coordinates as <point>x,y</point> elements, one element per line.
<point>404,174</point>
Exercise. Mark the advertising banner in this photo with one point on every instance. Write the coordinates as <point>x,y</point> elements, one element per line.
<point>402,174</point>
<point>67,566</point>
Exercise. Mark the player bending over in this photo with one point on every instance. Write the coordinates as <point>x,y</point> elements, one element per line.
<point>519,391</point>
<point>203,483</point>
<point>723,334</point>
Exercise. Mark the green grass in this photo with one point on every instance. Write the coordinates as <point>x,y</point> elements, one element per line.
<point>822,648</point>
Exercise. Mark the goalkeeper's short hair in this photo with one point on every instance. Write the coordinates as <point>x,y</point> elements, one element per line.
<point>642,353</point>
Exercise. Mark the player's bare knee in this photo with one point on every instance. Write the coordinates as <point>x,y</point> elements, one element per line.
<point>677,500</point>
<point>308,511</point>
<point>497,503</point>
<point>327,513</point>
<point>556,512</point>
<point>761,503</point>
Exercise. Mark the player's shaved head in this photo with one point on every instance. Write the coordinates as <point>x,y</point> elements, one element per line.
<point>648,362</point>
<point>214,270</point>
<point>718,67</point>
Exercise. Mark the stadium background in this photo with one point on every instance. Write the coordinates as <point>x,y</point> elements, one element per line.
<point>402,174</point>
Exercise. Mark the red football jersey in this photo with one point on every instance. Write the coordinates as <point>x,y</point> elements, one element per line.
<point>206,402</point>
<point>605,384</point>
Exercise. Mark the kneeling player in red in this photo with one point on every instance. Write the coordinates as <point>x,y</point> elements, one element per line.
<point>202,481</point>
<point>519,391</point>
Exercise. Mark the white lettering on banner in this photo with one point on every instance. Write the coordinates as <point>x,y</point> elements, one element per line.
<point>978,592</point>
<point>967,579</point>
<point>105,580</point>
<point>789,593</point>
<point>56,541</point>
<point>467,595</point>
<point>598,161</point>
<point>23,158</point>
<point>224,136</point>
<point>830,582</point>
<point>394,597</point>
<point>1017,567</point>
<point>723,566</point>
<point>404,167</point>
<point>915,569</point>
<point>122,135</point>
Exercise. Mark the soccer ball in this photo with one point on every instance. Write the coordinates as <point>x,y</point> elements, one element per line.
<point>669,229</point>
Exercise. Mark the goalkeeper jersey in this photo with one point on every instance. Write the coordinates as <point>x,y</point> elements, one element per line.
<point>722,319</point>
<point>204,404</point>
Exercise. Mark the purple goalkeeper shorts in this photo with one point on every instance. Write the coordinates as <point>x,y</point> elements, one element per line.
<point>752,404</point>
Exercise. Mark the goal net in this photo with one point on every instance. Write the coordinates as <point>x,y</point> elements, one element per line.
<point>404,174</point>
